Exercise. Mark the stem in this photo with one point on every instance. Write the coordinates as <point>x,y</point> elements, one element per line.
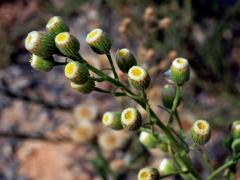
<point>175,103</point>
<point>178,120</point>
<point>102,90</point>
<point>178,148</point>
<point>205,159</point>
<point>112,65</point>
<point>223,167</point>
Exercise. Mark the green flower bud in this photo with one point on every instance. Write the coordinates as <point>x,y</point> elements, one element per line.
<point>125,59</point>
<point>236,145</point>
<point>180,71</point>
<point>201,132</point>
<point>168,94</point>
<point>56,25</point>
<point>138,77</point>
<point>76,72</point>
<point>85,88</point>
<point>131,119</point>
<point>148,139</point>
<point>167,167</point>
<point>236,129</point>
<point>40,43</point>
<point>112,120</point>
<point>99,41</point>
<point>41,64</point>
<point>148,173</point>
<point>67,44</point>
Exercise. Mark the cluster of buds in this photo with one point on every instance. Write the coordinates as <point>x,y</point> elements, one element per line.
<point>57,40</point>
<point>129,119</point>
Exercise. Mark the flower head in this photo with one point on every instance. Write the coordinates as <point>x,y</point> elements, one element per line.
<point>131,119</point>
<point>148,173</point>
<point>56,25</point>
<point>148,139</point>
<point>67,44</point>
<point>125,59</point>
<point>112,120</point>
<point>138,77</point>
<point>180,71</point>
<point>167,166</point>
<point>99,41</point>
<point>201,132</point>
<point>40,43</point>
<point>76,72</point>
<point>41,64</point>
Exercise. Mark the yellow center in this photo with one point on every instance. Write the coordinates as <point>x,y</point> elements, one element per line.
<point>122,53</point>
<point>128,116</point>
<point>180,61</point>
<point>29,38</point>
<point>144,175</point>
<point>106,118</point>
<point>92,34</point>
<point>69,69</point>
<point>201,125</point>
<point>61,37</point>
<point>137,72</point>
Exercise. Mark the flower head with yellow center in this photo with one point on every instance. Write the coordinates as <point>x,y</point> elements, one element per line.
<point>56,25</point>
<point>131,119</point>
<point>125,59</point>
<point>40,43</point>
<point>201,132</point>
<point>99,41</point>
<point>138,77</point>
<point>76,72</point>
<point>148,173</point>
<point>67,44</point>
<point>180,71</point>
<point>112,120</point>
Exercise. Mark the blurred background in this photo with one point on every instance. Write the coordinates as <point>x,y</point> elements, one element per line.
<point>48,131</point>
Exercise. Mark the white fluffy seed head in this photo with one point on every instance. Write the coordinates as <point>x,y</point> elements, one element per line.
<point>94,35</point>
<point>62,38</point>
<point>137,73</point>
<point>32,40</point>
<point>180,63</point>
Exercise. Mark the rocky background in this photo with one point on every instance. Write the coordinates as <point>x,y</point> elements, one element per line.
<point>39,111</point>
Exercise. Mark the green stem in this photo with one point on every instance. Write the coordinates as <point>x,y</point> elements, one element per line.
<point>112,65</point>
<point>178,120</point>
<point>102,90</point>
<point>140,101</point>
<point>223,167</point>
<point>175,103</point>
